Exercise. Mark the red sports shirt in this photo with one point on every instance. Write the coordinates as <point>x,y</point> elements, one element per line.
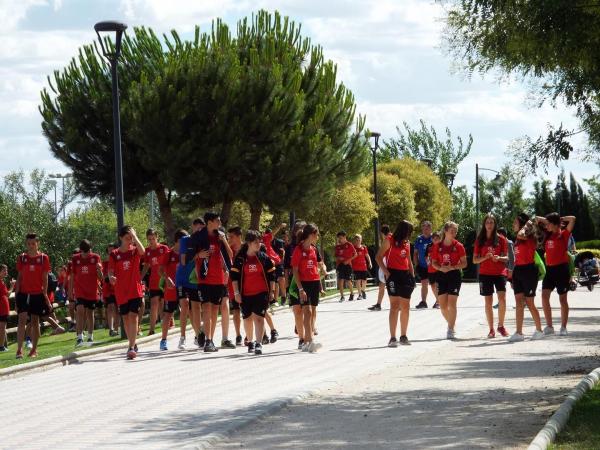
<point>215,275</point>
<point>448,255</point>
<point>556,247</point>
<point>85,273</point>
<point>267,240</point>
<point>126,268</point>
<point>307,262</point>
<point>525,251</point>
<point>169,263</point>
<point>343,252</point>
<point>107,288</point>
<point>429,253</point>
<point>32,269</point>
<point>489,267</point>
<point>359,264</point>
<point>4,307</point>
<point>254,277</point>
<point>398,255</point>
<point>154,257</point>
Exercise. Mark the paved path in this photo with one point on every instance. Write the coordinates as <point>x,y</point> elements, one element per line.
<point>186,399</point>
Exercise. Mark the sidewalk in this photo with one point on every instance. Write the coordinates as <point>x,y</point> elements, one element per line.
<point>476,393</point>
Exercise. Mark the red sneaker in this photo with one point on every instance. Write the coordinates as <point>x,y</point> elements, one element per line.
<point>131,354</point>
<point>491,334</point>
<point>33,353</point>
<point>503,331</point>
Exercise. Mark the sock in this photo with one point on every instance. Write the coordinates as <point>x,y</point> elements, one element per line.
<point>80,336</point>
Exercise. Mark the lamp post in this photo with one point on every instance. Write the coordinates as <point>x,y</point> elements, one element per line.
<point>375,135</point>
<point>112,54</point>
<point>56,177</point>
<point>427,161</point>
<point>450,176</point>
<point>54,183</point>
<point>557,193</point>
<point>477,169</point>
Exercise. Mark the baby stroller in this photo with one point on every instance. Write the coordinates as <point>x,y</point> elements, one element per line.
<point>587,269</point>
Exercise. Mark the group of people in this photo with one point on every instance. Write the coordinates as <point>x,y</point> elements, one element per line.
<point>211,270</point>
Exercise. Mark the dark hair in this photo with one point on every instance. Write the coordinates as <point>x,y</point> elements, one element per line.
<point>297,231</point>
<point>32,236</point>
<point>251,236</point>
<point>341,233</point>
<point>385,229</point>
<point>209,216</point>
<point>151,232</point>
<point>113,246</point>
<point>553,218</point>
<point>126,229</point>
<point>308,230</point>
<point>85,246</point>
<point>235,230</point>
<point>180,233</point>
<point>522,218</point>
<point>482,236</point>
<point>198,221</point>
<point>502,231</point>
<point>436,234</point>
<point>403,231</point>
<point>3,267</point>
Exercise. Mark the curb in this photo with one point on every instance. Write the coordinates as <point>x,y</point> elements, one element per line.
<point>559,419</point>
<point>74,357</point>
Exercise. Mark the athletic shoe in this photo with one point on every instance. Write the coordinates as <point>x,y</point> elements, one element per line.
<point>351,298</point>
<point>79,342</point>
<point>238,341</point>
<point>451,334</point>
<point>19,355</point>
<point>131,354</point>
<point>563,331</point>
<point>491,334</point>
<point>89,342</point>
<point>393,342</point>
<point>305,347</point>
<point>72,327</point>
<point>496,306</point>
<point>537,335</point>
<point>342,299</point>
<point>315,332</point>
<point>274,336</point>
<point>28,343</point>
<point>251,347</point>
<point>226,343</point>
<point>300,344</point>
<point>503,331</point>
<point>364,295</point>
<point>3,349</point>
<point>196,341</point>
<point>209,347</point>
<point>375,307</point>
<point>548,331</point>
<point>518,337</point>
<point>258,349</point>
<point>422,305</point>
<point>201,339</point>
<point>151,332</point>
<point>163,345</point>
<point>135,348</point>
<point>404,340</point>
<point>436,305</point>
<point>314,347</point>
<point>113,333</point>
<point>181,345</point>
<point>33,353</point>
<point>265,339</point>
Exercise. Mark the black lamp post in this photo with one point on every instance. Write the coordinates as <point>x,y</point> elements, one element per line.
<point>60,176</point>
<point>450,176</point>
<point>112,54</point>
<point>558,193</point>
<point>427,161</point>
<point>374,148</point>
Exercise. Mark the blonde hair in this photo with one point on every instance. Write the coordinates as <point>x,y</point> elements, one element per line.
<point>447,226</point>
<point>357,236</point>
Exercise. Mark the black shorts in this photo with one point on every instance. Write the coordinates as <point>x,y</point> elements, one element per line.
<point>3,318</point>
<point>557,277</point>
<point>32,303</point>
<point>488,284</point>
<point>89,304</point>
<point>361,274</point>
<point>432,276</point>
<point>422,272</point>
<point>525,280</point>
<point>233,305</point>
<point>156,293</point>
<point>449,283</point>
<point>110,300</point>
<point>313,291</point>
<point>170,306</point>
<point>212,293</point>
<point>189,293</point>
<point>400,283</point>
<point>279,271</point>
<point>344,272</point>
<point>255,304</point>
<point>130,306</point>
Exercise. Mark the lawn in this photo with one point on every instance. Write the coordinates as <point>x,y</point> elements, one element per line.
<point>583,429</point>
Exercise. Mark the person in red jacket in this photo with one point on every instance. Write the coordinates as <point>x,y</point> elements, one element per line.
<point>108,296</point>
<point>449,258</point>
<point>431,272</point>
<point>361,266</point>
<point>556,245</point>
<point>125,276</point>
<point>153,258</point>
<point>344,254</point>
<point>4,306</point>
<point>87,273</point>
<point>491,253</point>
<point>395,261</point>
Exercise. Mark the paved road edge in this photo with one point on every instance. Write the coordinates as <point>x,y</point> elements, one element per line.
<point>559,419</point>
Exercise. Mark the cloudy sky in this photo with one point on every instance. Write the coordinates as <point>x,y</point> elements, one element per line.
<point>387,51</point>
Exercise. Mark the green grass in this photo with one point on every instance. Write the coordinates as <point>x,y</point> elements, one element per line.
<point>583,429</point>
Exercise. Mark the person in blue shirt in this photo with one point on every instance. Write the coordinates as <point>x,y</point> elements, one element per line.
<point>420,260</point>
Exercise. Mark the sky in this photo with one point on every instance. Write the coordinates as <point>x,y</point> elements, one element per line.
<point>388,52</point>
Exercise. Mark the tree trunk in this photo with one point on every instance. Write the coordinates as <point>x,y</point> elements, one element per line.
<point>164,204</point>
<point>226,211</point>
<point>255,213</point>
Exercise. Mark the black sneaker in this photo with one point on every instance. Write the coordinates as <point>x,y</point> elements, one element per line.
<point>351,298</point>
<point>375,307</point>
<point>422,305</point>
<point>274,336</point>
<point>404,340</point>
<point>250,347</point>
<point>342,299</point>
<point>436,305</point>
<point>300,343</point>
<point>226,343</point>
<point>135,348</point>
<point>393,342</point>
<point>238,341</point>
<point>209,347</point>
<point>265,339</point>
<point>364,295</point>
<point>258,349</point>
<point>201,339</point>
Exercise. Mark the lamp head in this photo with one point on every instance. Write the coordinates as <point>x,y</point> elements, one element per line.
<point>375,135</point>
<point>110,26</point>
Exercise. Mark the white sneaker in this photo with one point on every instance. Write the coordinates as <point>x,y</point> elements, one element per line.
<point>181,345</point>
<point>516,338</point>
<point>548,331</point>
<point>451,334</point>
<point>537,335</point>
<point>563,331</point>
<point>306,346</point>
<point>313,347</point>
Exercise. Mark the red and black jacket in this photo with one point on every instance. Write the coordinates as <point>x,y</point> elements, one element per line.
<point>266,263</point>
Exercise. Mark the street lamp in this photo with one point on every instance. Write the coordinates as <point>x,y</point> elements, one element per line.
<point>112,54</point>
<point>497,178</point>
<point>375,135</point>
<point>56,177</point>
<point>558,193</point>
<point>450,176</point>
<point>427,161</point>
<point>54,183</point>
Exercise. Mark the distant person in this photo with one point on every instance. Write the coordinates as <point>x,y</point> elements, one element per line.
<point>384,232</point>
<point>361,266</point>
<point>4,306</point>
<point>344,254</point>
<point>155,253</point>
<point>420,261</point>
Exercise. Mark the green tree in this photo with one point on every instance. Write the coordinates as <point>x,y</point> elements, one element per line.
<point>542,199</point>
<point>396,200</point>
<point>463,212</point>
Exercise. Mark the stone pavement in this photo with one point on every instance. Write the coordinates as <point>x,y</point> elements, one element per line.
<point>188,398</point>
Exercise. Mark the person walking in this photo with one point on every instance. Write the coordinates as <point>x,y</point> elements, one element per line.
<point>420,260</point>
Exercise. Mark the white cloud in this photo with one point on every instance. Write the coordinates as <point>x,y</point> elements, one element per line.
<point>12,12</point>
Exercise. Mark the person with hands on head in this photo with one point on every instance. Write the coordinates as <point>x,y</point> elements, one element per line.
<point>399,274</point>
<point>4,306</point>
<point>449,258</point>
<point>125,276</point>
<point>556,245</point>
<point>253,279</point>
<point>491,253</point>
